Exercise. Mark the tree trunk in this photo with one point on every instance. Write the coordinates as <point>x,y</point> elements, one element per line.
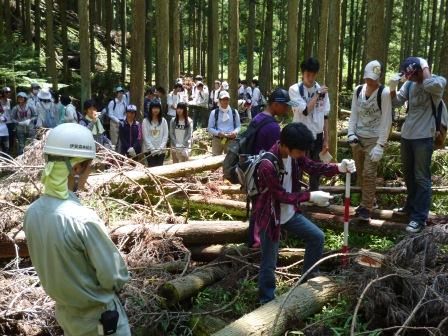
<point>439,39</point>
<point>195,38</point>
<point>174,41</point>
<point>342,43</point>
<point>443,63</point>
<point>92,36</point>
<point>417,28</point>
<point>213,42</point>
<point>273,318</point>
<point>149,43</point>
<point>261,44</point>
<point>375,29</point>
<point>2,22</point>
<point>182,41</point>
<point>64,37</point>
<point>7,18</point>
<point>334,28</point>
<point>250,41</point>
<point>204,53</point>
<point>182,288</point>
<point>432,34</point>
<point>109,18</point>
<point>388,31</point>
<point>50,50</point>
<point>198,38</point>
<point>234,46</point>
<point>83,15</point>
<point>322,44</point>
<point>266,65</point>
<point>138,54</point>
<point>291,43</point>
<point>124,49</point>
<point>37,23</point>
<point>221,36</point>
<point>98,12</point>
<point>299,39</point>
<point>28,27</point>
<point>162,29</point>
<point>352,45</point>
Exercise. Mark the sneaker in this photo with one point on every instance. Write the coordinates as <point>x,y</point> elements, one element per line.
<point>415,227</point>
<point>401,211</point>
<point>363,214</point>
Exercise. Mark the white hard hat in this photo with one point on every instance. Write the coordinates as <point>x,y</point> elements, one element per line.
<point>373,70</point>
<point>70,140</point>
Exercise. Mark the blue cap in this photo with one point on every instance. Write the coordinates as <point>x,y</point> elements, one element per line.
<point>119,89</point>
<point>280,95</point>
<point>410,65</point>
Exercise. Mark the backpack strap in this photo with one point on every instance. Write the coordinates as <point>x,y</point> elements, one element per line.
<point>408,91</point>
<point>234,112</point>
<point>302,94</point>
<point>358,91</point>
<point>379,96</point>
<point>437,113</point>
<point>216,117</point>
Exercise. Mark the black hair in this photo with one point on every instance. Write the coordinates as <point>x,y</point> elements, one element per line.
<point>297,136</point>
<point>178,85</point>
<point>65,100</point>
<point>311,65</point>
<point>256,82</point>
<point>88,104</point>
<point>184,107</point>
<point>162,90</point>
<point>244,82</point>
<point>151,106</point>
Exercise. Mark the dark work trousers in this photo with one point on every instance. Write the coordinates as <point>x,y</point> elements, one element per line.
<point>12,137</point>
<point>314,155</point>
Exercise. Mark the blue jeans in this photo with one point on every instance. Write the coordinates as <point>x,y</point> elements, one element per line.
<point>254,110</point>
<point>416,160</point>
<point>302,228</point>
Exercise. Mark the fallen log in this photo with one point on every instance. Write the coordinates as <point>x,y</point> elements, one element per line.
<point>211,252</point>
<point>169,171</point>
<point>179,289</point>
<point>302,302</point>
<point>236,190</point>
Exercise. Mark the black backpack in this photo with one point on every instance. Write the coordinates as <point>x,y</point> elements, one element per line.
<point>378,95</point>
<point>243,144</point>
<point>234,112</point>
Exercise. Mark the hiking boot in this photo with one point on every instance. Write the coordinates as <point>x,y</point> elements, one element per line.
<point>401,211</point>
<point>415,227</point>
<point>363,214</point>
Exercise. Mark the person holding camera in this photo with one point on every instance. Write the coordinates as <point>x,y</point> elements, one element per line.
<point>312,109</point>
<point>368,130</point>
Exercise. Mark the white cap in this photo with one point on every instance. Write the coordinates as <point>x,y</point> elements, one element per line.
<point>373,70</point>
<point>44,94</point>
<point>70,140</point>
<point>223,95</point>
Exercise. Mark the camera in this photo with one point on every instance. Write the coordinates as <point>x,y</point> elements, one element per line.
<point>321,94</point>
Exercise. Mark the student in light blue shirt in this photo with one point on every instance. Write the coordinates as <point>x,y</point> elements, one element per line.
<point>224,124</point>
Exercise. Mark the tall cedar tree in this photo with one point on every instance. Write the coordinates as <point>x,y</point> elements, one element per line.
<point>83,15</point>
<point>375,31</point>
<point>234,34</point>
<point>291,44</point>
<point>266,64</point>
<point>250,41</point>
<point>162,29</point>
<point>322,43</point>
<point>50,50</point>
<point>213,42</point>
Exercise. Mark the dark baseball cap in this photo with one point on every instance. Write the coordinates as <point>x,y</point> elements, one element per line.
<point>280,95</point>
<point>410,65</point>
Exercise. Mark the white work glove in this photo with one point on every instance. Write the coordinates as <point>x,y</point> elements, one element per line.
<point>347,166</point>
<point>376,153</point>
<point>353,140</point>
<point>320,198</point>
<point>393,81</point>
<point>131,152</point>
<point>423,63</point>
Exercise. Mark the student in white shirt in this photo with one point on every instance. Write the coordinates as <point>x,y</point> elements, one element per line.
<point>255,98</point>
<point>368,130</point>
<point>312,109</point>
<point>181,134</point>
<point>155,135</point>
<point>174,97</point>
<point>116,111</point>
<point>214,95</point>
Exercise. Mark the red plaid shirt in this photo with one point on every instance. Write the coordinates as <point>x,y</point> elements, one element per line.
<point>266,209</point>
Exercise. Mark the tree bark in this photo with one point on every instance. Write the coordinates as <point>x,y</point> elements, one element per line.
<point>234,46</point>
<point>84,47</point>
<point>272,318</point>
<point>2,22</point>
<point>50,47</point>
<point>388,31</point>
<point>250,40</point>
<point>138,54</point>
<point>352,45</point>
<point>149,42</point>
<point>443,65</point>
<point>322,44</point>
<point>28,27</point>
<point>375,30</point>
<point>92,35</point>
<point>37,23</point>
<point>162,26</point>
<point>266,64</point>
<point>299,39</point>
<point>7,18</point>
<point>291,44</point>
<point>108,20</point>
<point>64,37</point>
<point>124,48</point>
<point>334,27</point>
<point>213,42</point>
<point>174,41</point>
<point>432,34</point>
<point>182,288</point>
<point>439,39</point>
<point>342,42</point>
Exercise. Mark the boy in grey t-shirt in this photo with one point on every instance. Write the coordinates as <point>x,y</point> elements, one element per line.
<point>417,134</point>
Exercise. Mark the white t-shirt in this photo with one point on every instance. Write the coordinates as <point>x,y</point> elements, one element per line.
<point>315,118</point>
<point>179,131</point>
<point>287,210</point>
